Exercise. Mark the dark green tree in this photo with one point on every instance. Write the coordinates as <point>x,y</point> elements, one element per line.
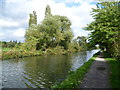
<point>105,27</point>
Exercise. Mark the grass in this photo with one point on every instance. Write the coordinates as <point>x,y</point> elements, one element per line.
<point>74,78</point>
<point>114,71</point>
<point>6,49</point>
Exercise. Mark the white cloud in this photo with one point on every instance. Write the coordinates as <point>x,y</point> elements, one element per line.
<point>14,1</point>
<point>8,23</point>
<point>1,34</point>
<point>79,15</point>
<point>19,33</point>
<point>14,34</point>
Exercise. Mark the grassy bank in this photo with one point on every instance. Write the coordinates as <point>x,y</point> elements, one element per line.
<point>114,71</point>
<point>8,53</point>
<point>19,54</point>
<point>75,77</point>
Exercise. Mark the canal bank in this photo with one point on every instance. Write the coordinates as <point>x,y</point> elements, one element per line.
<point>74,79</point>
<point>99,72</point>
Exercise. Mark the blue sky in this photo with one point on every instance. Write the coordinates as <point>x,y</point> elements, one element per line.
<point>14,15</point>
<point>68,4</point>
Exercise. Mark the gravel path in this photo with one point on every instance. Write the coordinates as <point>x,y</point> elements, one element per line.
<point>97,76</point>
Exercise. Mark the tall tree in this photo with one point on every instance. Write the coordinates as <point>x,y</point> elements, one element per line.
<point>66,31</point>
<point>33,19</point>
<point>53,31</point>
<point>47,11</point>
<point>105,27</point>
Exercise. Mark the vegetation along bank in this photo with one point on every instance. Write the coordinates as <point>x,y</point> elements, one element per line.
<point>114,66</point>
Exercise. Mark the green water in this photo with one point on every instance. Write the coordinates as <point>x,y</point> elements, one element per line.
<point>41,71</point>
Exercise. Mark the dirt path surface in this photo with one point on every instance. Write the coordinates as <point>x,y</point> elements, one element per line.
<point>97,76</point>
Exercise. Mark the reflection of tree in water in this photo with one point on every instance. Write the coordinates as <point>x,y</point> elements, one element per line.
<point>45,70</point>
<point>78,60</point>
<point>90,53</point>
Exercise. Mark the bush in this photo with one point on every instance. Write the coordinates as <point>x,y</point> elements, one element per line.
<point>19,54</point>
<point>56,50</point>
<point>114,70</point>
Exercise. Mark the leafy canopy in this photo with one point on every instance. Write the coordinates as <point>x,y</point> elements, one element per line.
<point>105,27</point>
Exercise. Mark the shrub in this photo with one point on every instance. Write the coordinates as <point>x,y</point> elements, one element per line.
<point>56,50</point>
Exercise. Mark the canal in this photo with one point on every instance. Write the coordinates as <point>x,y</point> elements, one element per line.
<point>40,71</point>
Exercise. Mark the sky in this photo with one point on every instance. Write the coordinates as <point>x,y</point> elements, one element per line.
<point>14,15</point>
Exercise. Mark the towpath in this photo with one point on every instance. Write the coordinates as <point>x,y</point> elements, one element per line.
<point>97,76</point>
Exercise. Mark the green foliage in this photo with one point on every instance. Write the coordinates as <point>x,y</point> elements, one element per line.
<point>72,47</point>
<point>82,42</point>
<point>77,44</point>
<point>33,19</point>
<point>52,36</point>
<point>6,49</point>
<point>31,38</point>
<point>105,27</point>
<point>9,44</point>
<point>47,11</point>
<point>56,50</point>
<point>19,54</point>
<point>114,71</point>
<point>50,29</point>
<point>53,31</point>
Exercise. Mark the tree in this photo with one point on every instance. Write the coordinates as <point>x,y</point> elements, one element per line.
<point>105,27</point>
<point>55,34</point>
<point>31,37</point>
<point>67,34</point>
<point>47,11</point>
<point>53,31</point>
<point>82,42</point>
<point>50,26</point>
<point>33,19</point>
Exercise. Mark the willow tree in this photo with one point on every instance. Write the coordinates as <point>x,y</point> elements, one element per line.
<point>53,31</point>
<point>66,31</point>
<point>56,30</point>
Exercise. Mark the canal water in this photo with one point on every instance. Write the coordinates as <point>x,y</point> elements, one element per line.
<point>40,71</point>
